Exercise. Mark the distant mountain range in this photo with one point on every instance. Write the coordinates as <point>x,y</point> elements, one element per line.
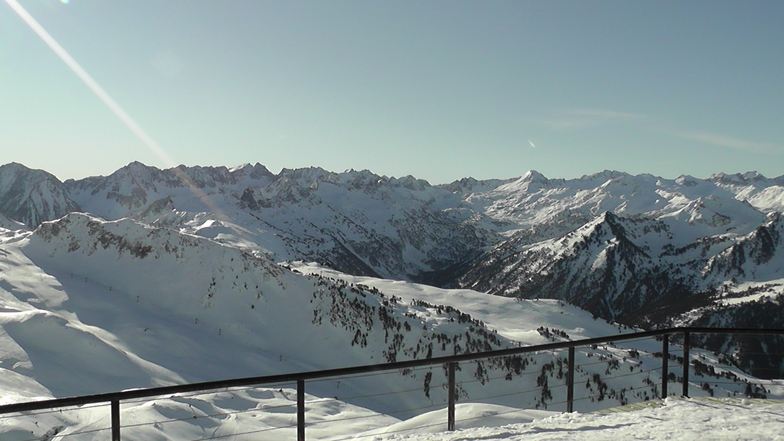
<point>202,273</point>
<point>641,250</point>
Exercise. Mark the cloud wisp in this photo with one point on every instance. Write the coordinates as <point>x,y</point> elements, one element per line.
<point>581,119</point>
<point>720,140</point>
<point>574,119</point>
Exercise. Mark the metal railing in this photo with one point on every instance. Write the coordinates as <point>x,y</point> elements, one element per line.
<point>451,363</point>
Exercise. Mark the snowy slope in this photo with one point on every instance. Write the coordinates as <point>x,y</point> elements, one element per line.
<point>158,303</point>
<point>672,419</point>
<point>641,249</point>
<point>154,269</point>
<point>159,306</point>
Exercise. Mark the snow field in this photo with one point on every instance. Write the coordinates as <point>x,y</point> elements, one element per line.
<point>673,419</point>
<point>162,308</point>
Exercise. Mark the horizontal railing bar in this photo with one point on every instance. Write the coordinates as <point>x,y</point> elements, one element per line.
<point>346,371</point>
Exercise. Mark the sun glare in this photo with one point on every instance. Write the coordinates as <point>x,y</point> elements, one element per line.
<point>109,101</point>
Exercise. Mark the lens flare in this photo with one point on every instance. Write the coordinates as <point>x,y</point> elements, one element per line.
<point>90,82</point>
<point>112,104</point>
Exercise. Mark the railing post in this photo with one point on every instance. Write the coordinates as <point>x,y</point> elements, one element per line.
<point>686,364</point>
<point>115,410</point>
<point>450,410</point>
<point>570,382</point>
<point>665,364</point>
<point>300,410</point>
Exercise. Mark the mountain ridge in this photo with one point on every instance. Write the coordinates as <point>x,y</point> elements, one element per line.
<point>610,242</point>
<point>198,274</point>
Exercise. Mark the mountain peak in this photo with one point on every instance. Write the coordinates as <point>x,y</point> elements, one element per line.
<point>470,184</point>
<point>32,196</point>
<point>749,177</point>
<point>604,175</point>
<point>14,170</point>
<point>410,183</point>
<point>530,182</point>
<point>687,181</point>
<point>534,176</point>
<point>255,171</point>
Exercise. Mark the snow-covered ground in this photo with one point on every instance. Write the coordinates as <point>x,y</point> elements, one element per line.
<point>669,419</point>
<point>223,415</point>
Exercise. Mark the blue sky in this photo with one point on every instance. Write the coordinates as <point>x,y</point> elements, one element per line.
<point>438,90</point>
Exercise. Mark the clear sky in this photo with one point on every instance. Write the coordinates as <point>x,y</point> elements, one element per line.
<point>436,89</point>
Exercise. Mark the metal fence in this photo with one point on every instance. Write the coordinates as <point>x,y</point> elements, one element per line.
<point>685,336</point>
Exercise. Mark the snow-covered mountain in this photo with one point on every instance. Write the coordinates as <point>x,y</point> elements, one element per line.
<point>194,274</point>
<point>619,242</point>
<point>610,242</point>
<point>190,295</point>
<point>32,196</point>
<point>90,305</point>
<point>355,221</point>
